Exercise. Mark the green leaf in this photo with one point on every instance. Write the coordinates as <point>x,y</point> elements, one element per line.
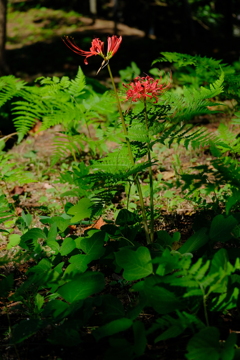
<point>29,240</point>
<point>39,301</point>
<point>172,332</point>
<point>82,210</point>
<point>204,345</point>
<point>221,228</point>
<point>67,247</point>
<point>140,341</point>
<point>164,239</point>
<point>228,351</point>
<point>161,299</point>
<point>52,233</point>
<point>27,218</point>
<point>195,242</point>
<point>113,327</point>
<point>93,246</point>
<point>112,308</point>
<point>14,239</point>
<point>220,260</point>
<point>126,217</point>
<point>55,309</point>
<point>136,264</point>
<point>78,264</point>
<point>54,245</point>
<point>83,286</point>
<point>225,301</point>
<point>44,266</point>
<point>25,329</point>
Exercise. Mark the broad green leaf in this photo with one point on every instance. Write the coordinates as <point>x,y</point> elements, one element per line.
<point>27,218</point>
<point>43,266</point>
<point>29,240</point>
<point>55,309</point>
<point>39,301</point>
<point>54,245</point>
<point>136,264</point>
<point>34,233</point>
<point>26,328</point>
<point>164,239</point>
<point>126,217</point>
<point>228,351</point>
<point>112,308</point>
<point>93,246</point>
<point>172,332</point>
<point>204,345</point>
<point>14,239</point>
<point>232,200</point>
<point>195,242</point>
<point>82,210</point>
<point>220,260</point>
<point>67,247</point>
<point>140,341</point>
<point>161,299</point>
<point>61,223</point>
<point>83,286</point>
<point>112,328</point>
<point>134,312</point>
<point>78,264</point>
<point>221,228</point>
<point>168,262</point>
<point>52,233</point>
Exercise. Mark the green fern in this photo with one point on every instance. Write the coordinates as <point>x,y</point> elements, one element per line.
<point>10,87</point>
<point>6,211</point>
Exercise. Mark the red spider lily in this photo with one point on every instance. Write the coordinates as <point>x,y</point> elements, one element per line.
<point>97,48</point>
<point>145,87</point>
<point>113,45</point>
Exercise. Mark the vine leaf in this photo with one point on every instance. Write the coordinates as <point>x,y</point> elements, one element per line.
<point>206,345</point>
<point>136,264</point>
<point>81,210</point>
<point>113,327</point>
<point>83,286</point>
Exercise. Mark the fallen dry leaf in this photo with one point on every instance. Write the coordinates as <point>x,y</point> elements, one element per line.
<point>97,225</point>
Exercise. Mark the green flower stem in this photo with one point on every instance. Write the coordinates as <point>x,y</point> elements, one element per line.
<point>131,157</point>
<point>150,177</point>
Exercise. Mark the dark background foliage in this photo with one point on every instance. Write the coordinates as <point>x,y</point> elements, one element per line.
<point>209,28</point>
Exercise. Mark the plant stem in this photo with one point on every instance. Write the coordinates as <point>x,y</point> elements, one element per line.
<point>205,305</point>
<point>150,177</point>
<point>131,157</point>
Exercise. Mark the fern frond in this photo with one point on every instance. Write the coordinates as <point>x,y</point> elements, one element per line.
<point>6,210</point>
<point>78,84</point>
<point>114,162</point>
<point>204,93</point>
<point>10,87</point>
<point>54,85</point>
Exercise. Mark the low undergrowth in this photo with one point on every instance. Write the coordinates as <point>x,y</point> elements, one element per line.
<point>102,276</point>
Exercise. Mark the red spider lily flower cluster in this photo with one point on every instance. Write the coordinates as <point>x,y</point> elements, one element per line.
<point>97,47</point>
<point>145,87</point>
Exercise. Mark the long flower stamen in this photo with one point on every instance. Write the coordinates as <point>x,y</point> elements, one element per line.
<point>97,48</point>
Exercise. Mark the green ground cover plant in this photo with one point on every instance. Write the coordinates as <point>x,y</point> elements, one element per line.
<point>119,283</point>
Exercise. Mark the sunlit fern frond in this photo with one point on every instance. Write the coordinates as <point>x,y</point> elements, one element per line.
<point>78,84</point>
<point>67,145</point>
<point>10,87</point>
